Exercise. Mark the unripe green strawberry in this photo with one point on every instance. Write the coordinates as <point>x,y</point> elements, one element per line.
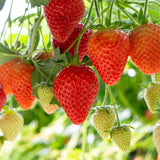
<point>45,95</point>
<point>156,77</point>
<point>152,96</point>
<point>122,137</point>
<point>11,123</point>
<point>103,120</point>
<point>50,108</point>
<point>156,136</point>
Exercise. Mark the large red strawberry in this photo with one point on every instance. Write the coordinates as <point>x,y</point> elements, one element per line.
<point>63,16</point>
<point>21,84</point>
<point>145,48</point>
<point>5,78</point>
<point>2,98</point>
<point>109,51</point>
<point>76,88</point>
<point>83,46</point>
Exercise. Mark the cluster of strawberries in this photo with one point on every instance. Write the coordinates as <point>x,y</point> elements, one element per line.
<point>76,86</point>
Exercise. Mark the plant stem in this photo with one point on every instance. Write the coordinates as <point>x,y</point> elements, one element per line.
<point>145,11</point>
<point>114,104</point>
<point>127,5</point>
<point>49,77</point>
<point>96,7</point>
<point>110,11</point>
<point>37,67</point>
<point>84,139</point>
<point>102,10</point>
<point>78,42</point>
<point>105,97</point>
<point>34,35</point>
<point>10,102</point>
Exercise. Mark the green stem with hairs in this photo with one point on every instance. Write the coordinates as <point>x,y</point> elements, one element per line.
<point>10,102</point>
<point>145,11</point>
<point>33,36</point>
<point>49,77</point>
<point>84,139</point>
<point>76,59</point>
<point>96,7</point>
<point>110,11</point>
<point>114,104</point>
<point>105,97</point>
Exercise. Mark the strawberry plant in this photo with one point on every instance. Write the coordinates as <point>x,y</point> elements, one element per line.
<point>72,71</point>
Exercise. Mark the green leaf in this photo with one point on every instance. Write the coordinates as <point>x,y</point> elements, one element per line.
<point>54,101</point>
<point>140,16</point>
<point>2,2</point>
<point>38,3</point>
<point>69,57</point>
<point>6,54</point>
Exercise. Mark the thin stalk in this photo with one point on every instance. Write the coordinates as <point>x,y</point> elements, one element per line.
<point>78,42</point>
<point>101,3</point>
<point>44,43</point>
<point>37,67</point>
<point>145,11</point>
<point>110,11</point>
<point>49,77</point>
<point>127,5</point>
<point>33,36</point>
<point>10,102</point>
<point>84,139</point>
<point>114,104</point>
<point>105,97</point>
<point>96,7</point>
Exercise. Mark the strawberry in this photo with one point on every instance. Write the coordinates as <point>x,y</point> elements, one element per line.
<point>5,78</point>
<point>11,123</point>
<point>122,137</point>
<point>21,84</point>
<point>63,16</point>
<point>156,77</point>
<point>76,88</point>
<point>83,46</point>
<point>2,98</point>
<point>43,55</point>
<point>103,120</point>
<point>145,45</point>
<point>50,108</point>
<point>152,96</point>
<point>109,51</point>
<point>45,95</point>
<point>156,136</point>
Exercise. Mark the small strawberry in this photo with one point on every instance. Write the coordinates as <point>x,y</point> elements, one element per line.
<point>5,78</point>
<point>2,98</point>
<point>152,96</point>
<point>156,136</point>
<point>103,120</point>
<point>50,108</point>
<point>122,137</point>
<point>43,55</point>
<point>63,16</point>
<point>45,95</point>
<point>145,45</point>
<point>21,84</point>
<point>156,77</point>
<point>11,123</point>
<point>76,88</point>
<point>83,46</point>
<point>109,51</point>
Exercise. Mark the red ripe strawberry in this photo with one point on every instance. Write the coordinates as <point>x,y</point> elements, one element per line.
<point>63,16</point>
<point>145,44</point>
<point>5,78</point>
<point>2,98</point>
<point>21,84</point>
<point>83,46</point>
<point>109,51</point>
<point>76,88</point>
